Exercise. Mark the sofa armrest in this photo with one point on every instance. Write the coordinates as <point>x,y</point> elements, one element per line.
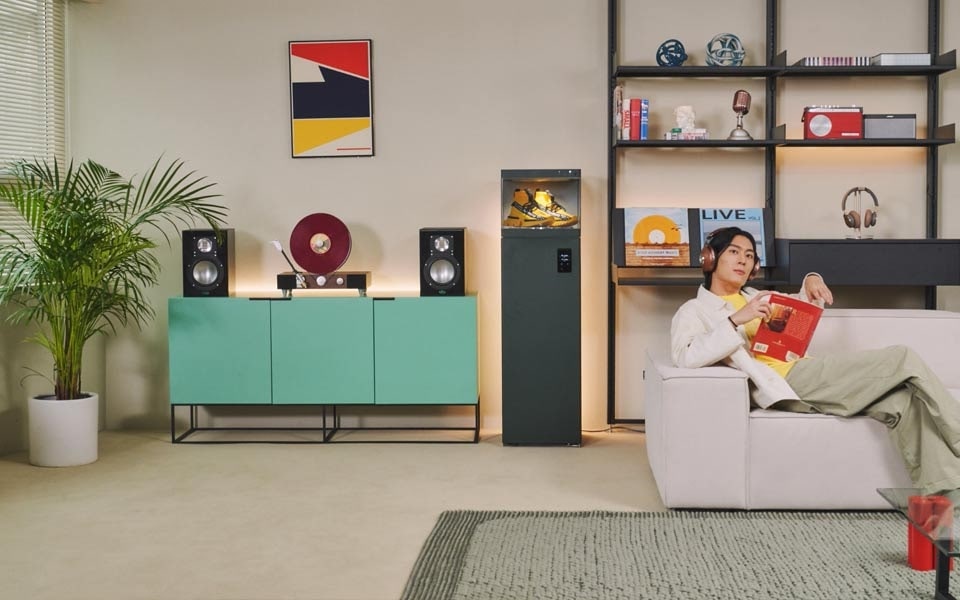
<point>696,424</point>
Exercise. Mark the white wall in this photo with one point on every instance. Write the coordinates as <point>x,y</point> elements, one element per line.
<point>462,90</point>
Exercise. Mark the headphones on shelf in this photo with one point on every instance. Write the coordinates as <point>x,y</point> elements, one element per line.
<point>708,256</point>
<point>851,217</point>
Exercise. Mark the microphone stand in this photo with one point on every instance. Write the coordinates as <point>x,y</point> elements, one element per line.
<point>739,133</point>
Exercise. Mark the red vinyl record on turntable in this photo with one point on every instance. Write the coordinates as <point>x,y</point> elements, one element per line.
<point>320,243</point>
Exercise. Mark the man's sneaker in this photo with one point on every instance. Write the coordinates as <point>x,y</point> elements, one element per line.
<point>548,205</point>
<point>525,212</point>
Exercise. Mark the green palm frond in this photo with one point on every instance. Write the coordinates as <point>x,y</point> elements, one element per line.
<point>82,262</point>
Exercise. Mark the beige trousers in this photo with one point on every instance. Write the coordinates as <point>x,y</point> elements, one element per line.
<point>892,385</point>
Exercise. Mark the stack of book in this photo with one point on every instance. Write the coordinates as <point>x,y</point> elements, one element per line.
<point>695,134</point>
<point>833,61</point>
<point>631,116</point>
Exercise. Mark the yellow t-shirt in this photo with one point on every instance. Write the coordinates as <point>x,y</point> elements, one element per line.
<point>780,366</point>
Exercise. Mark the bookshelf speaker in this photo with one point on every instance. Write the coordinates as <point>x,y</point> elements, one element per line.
<point>441,261</point>
<point>208,261</point>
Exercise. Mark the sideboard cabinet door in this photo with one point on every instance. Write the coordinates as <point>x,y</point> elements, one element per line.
<point>323,351</point>
<point>219,351</point>
<point>426,350</point>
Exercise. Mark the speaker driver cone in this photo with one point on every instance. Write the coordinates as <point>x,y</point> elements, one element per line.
<point>206,273</point>
<point>441,243</point>
<point>443,272</point>
<point>205,245</point>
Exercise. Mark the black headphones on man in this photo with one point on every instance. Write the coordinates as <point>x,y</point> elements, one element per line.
<point>708,255</point>
<point>851,217</point>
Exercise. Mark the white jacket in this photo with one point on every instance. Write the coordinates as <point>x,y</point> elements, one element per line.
<point>702,335</point>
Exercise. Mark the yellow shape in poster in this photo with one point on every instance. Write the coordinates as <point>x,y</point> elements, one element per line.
<point>310,133</point>
<point>656,229</point>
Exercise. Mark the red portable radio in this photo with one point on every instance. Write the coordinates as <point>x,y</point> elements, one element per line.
<point>832,123</point>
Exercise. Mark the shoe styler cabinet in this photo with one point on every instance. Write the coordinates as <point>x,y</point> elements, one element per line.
<point>334,352</point>
<point>540,296</point>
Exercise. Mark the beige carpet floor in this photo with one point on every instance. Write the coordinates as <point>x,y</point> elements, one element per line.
<point>267,521</point>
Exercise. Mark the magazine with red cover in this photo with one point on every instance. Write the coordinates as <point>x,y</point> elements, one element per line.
<point>786,333</point>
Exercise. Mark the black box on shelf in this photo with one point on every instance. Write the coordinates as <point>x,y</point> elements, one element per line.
<point>870,262</point>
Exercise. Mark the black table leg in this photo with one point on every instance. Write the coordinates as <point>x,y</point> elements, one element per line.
<point>943,576</point>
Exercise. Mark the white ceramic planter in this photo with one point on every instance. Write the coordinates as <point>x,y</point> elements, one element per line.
<point>63,433</point>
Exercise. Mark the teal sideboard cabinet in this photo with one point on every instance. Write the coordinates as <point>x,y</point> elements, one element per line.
<point>330,352</point>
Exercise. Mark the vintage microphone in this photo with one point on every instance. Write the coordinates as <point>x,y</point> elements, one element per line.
<point>741,102</point>
<point>741,106</point>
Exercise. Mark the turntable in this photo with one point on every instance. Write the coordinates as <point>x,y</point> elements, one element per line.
<point>320,243</point>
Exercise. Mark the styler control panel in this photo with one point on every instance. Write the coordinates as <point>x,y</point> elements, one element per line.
<point>564,260</point>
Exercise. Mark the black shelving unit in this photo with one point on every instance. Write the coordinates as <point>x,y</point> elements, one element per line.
<point>778,67</point>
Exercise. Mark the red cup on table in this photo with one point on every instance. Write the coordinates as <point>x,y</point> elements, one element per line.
<point>920,551</point>
<point>934,515</point>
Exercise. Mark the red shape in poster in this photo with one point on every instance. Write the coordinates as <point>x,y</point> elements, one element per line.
<point>350,56</point>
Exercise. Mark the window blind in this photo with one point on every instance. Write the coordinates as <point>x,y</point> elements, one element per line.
<point>32,85</point>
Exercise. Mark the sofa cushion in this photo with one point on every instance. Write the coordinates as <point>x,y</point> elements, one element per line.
<point>815,461</point>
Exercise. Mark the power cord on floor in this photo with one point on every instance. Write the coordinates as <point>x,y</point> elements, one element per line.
<point>610,429</point>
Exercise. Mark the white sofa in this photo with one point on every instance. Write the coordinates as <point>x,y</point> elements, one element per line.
<point>708,449</point>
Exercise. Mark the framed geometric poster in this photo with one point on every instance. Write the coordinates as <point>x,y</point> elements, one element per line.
<point>331,99</point>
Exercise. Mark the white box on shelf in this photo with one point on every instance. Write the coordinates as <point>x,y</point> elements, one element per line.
<point>891,59</point>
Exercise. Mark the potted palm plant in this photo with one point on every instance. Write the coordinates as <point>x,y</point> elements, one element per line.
<point>78,266</point>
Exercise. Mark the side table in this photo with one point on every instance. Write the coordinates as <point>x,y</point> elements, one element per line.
<point>940,530</point>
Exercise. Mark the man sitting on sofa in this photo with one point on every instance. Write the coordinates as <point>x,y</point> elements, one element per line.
<point>903,393</point>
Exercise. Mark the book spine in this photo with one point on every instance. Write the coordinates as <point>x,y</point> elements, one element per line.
<point>617,111</point>
<point>635,124</point>
<point>644,117</point>
<point>625,120</point>
<point>834,61</point>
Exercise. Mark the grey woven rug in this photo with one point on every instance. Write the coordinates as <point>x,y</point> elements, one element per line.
<point>496,555</point>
